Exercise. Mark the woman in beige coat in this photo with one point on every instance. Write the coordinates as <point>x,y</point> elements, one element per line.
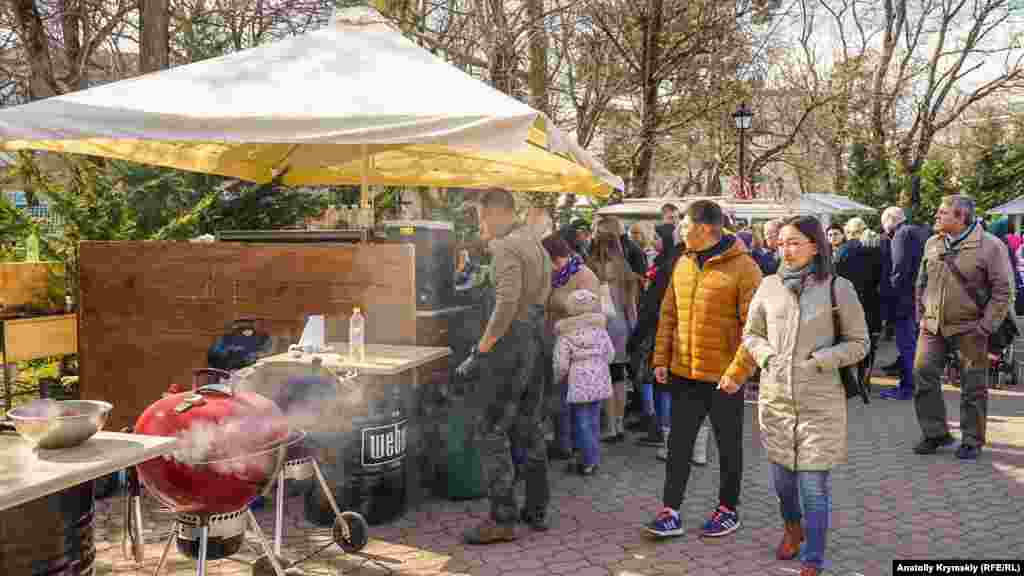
<point>607,259</point>
<point>802,404</point>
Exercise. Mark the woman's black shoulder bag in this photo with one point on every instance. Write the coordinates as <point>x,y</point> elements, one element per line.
<point>852,383</point>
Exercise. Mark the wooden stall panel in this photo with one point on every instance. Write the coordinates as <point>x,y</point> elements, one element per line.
<point>41,337</point>
<point>151,310</point>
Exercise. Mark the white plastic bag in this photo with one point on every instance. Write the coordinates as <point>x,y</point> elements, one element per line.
<point>607,304</point>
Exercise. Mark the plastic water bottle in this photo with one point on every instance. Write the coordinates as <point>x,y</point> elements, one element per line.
<point>357,336</point>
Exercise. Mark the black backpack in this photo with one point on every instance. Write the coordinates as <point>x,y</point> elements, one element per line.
<point>241,346</point>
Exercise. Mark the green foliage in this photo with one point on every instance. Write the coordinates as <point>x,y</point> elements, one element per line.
<point>114,200</point>
<point>865,181</point>
<point>935,183</point>
<point>998,176</point>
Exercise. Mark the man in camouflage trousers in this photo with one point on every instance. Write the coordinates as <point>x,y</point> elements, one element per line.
<point>510,392</point>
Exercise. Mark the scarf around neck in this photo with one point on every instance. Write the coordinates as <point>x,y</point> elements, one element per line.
<point>952,243</point>
<point>561,277</point>
<point>794,279</point>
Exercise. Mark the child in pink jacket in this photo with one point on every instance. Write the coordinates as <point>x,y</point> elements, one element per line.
<point>583,352</point>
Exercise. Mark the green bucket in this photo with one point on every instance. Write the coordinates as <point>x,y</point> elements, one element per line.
<point>465,482</point>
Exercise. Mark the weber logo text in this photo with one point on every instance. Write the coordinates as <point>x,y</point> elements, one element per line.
<point>384,444</point>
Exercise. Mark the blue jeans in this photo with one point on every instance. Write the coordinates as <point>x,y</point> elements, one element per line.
<point>586,427</point>
<point>563,428</point>
<point>657,401</point>
<point>806,495</point>
<point>905,331</point>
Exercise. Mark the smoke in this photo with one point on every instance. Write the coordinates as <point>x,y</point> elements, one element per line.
<point>312,402</point>
<point>41,408</point>
<point>15,461</point>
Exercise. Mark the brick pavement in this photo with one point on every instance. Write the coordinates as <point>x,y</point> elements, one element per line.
<point>887,503</point>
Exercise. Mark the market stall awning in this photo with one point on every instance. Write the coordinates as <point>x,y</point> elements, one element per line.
<point>1010,208</point>
<point>355,98</point>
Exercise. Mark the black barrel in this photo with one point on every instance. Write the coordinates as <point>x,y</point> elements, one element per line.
<point>364,459</point>
<point>50,536</point>
<point>435,258</point>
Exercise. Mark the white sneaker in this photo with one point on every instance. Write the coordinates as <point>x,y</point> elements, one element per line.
<point>662,454</point>
<point>700,447</point>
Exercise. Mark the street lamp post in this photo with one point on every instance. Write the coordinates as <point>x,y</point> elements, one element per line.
<point>742,116</point>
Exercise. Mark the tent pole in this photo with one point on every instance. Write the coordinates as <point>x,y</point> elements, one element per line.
<point>365,197</point>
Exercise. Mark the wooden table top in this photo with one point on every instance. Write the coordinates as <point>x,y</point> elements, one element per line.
<point>27,474</point>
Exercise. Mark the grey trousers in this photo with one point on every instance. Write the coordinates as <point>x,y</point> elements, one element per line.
<point>509,408</point>
<point>928,401</point>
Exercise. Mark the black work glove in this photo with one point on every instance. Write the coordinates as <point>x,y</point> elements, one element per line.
<point>470,366</point>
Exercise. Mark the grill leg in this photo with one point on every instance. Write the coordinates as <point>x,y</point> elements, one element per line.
<point>204,538</point>
<point>139,545</point>
<point>264,544</point>
<point>167,548</point>
<point>330,497</point>
<point>279,513</point>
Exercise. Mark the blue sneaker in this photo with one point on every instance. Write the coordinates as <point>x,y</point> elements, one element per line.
<point>966,452</point>
<point>723,521</point>
<point>665,524</point>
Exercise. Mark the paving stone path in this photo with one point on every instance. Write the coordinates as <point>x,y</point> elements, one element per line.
<point>887,503</point>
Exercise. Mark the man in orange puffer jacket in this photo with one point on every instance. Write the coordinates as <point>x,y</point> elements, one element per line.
<point>697,350</point>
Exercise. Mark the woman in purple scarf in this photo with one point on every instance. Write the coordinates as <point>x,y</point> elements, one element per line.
<point>569,274</point>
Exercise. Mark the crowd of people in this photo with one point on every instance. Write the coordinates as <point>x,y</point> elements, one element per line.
<point>685,315</point>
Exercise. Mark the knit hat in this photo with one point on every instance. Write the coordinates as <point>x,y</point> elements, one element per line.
<point>583,302</point>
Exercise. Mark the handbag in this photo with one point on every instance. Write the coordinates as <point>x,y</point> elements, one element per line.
<point>852,384</point>
<point>1007,331</point>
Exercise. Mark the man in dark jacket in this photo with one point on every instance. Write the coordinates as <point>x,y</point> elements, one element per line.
<point>769,259</point>
<point>509,401</point>
<point>862,266</point>
<point>906,249</point>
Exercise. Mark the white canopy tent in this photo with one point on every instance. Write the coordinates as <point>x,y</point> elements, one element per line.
<point>355,102</point>
<point>825,206</point>
<point>1012,208</point>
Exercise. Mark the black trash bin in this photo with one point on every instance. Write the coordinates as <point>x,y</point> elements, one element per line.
<point>364,455</point>
<point>50,536</point>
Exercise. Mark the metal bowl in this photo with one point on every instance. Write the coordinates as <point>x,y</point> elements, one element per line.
<point>53,424</point>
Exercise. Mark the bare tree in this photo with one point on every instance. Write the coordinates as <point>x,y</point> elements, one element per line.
<point>937,59</point>
<point>675,51</point>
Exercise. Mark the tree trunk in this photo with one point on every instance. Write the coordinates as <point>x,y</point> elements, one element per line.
<point>42,83</point>
<point>713,186</point>
<point>644,164</point>
<point>538,81</point>
<point>538,57</point>
<point>838,170</point>
<point>70,18</point>
<point>154,45</point>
